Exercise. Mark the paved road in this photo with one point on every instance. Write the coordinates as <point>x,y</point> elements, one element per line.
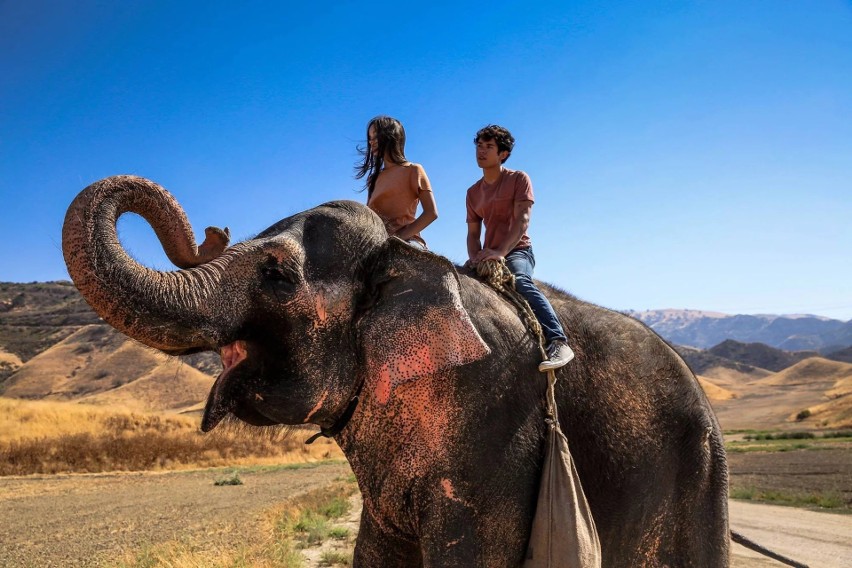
<point>820,540</point>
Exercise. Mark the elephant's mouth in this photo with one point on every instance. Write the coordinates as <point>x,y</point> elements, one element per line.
<point>229,390</point>
<point>233,354</point>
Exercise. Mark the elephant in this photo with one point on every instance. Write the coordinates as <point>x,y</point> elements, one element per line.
<point>425,377</point>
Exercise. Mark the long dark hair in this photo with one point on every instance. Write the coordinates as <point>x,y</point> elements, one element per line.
<point>391,140</point>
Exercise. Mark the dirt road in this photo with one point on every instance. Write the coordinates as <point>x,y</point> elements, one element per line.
<point>87,520</point>
<point>820,540</point>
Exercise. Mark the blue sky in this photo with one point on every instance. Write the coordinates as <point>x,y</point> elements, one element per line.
<point>683,154</point>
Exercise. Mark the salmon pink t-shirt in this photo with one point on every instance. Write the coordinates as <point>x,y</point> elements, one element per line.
<point>397,194</point>
<point>494,205</point>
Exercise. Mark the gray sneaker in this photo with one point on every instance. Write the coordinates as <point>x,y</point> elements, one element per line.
<point>558,355</point>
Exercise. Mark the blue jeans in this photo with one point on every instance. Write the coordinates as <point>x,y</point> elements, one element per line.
<point>521,263</point>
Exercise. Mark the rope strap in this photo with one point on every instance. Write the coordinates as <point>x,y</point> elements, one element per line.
<point>496,274</point>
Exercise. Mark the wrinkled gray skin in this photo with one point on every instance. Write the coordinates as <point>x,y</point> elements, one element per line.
<point>448,437</point>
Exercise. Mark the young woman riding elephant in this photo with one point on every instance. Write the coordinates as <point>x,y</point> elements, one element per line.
<point>395,186</point>
<point>426,378</point>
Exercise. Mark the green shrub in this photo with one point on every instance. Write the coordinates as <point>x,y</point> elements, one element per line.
<point>233,480</point>
<point>838,434</point>
<point>339,533</point>
<point>312,526</point>
<point>781,436</point>
<point>336,508</point>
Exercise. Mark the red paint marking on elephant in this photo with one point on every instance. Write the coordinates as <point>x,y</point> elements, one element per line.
<point>383,387</point>
<point>434,421</point>
<point>317,406</point>
<point>449,490</point>
<point>425,412</point>
<point>322,313</point>
<point>232,354</point>
<point>418,361</point>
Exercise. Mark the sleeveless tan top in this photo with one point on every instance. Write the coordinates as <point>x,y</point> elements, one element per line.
<point>397,194</point>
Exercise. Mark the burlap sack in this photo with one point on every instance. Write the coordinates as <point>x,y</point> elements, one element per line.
<point>563,531</point>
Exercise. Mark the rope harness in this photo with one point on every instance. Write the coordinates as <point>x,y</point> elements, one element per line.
<point>563,532</point>
<point>496,274</point>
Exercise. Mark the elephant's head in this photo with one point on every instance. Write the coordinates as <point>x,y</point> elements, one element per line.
<point>301,314</point>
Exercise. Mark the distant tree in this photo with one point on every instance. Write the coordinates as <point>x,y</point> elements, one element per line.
<point>802,415</point>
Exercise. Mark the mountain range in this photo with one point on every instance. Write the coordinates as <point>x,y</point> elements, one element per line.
<point>701,329</point>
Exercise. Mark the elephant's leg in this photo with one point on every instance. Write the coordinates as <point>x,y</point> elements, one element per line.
<point>377,548</point>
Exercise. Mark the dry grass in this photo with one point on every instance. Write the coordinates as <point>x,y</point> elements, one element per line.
<point>55,437</point>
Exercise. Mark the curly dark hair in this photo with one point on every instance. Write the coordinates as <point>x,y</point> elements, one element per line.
<point>391,140</point>
<point>504,139</point>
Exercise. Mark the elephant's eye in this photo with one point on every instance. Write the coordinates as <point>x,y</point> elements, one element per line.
<point>280,278</point>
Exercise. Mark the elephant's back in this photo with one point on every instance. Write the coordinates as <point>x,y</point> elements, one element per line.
<point>627,388</point>
<point>624,373</point>
<point>613,343</point>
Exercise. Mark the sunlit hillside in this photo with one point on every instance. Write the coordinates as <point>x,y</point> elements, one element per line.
<point>836,413</point>
<point>813,393</point>
<point>98,365</point>
<point>809,371</point>
<point>714,391</point>
<point>732,378</point>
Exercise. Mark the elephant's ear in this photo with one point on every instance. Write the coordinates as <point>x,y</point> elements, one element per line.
<point>414,323</point>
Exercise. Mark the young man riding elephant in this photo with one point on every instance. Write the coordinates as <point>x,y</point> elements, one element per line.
<point>503,200</point>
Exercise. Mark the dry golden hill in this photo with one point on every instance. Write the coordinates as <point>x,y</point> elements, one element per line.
<point>98,365</point>
<point>836,413</point>
<point>53,374</point>
<point>811,370</point>
<point>813,393</point>
<point>833,412</point>
<point>714,391</point>
<point>734,378</point>
<point>842,387</point>
<point>172,385</point>
<point>38,315</point>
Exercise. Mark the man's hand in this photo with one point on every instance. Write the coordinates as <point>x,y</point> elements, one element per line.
<point>486,254</point>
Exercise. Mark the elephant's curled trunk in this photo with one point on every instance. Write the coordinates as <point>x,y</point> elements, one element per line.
<point>170,311</point>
